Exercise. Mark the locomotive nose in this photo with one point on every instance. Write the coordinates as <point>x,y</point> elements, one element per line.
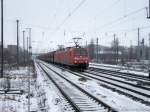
<point>81,59</point>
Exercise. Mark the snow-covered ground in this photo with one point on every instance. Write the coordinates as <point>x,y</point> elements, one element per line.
<point>120,102</point>
<point>18,79</point>
<point>46,97</point>
<point>54,101</point>
<point>122,69</point>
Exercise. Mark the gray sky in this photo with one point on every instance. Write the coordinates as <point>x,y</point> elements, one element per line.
<point>94,18</point>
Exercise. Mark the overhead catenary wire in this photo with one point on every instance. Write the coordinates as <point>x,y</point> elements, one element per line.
<point>58,27</point>
<point>111,5</point>
<point>117,31</point>
<point>130,30</point>
<point>30,25</point>
<point>121,18</point>
<point>48,28</point>
<point>70,14</point>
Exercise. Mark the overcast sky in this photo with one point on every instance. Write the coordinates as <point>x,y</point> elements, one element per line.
<point>56,22</point>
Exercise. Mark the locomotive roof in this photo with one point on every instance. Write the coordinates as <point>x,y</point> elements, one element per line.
<point>67,48</point>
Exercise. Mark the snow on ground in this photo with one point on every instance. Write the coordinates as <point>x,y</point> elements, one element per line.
<point>108,65</point>
<point>120,102</point>
<point>54,101</point>
<point>122,69</point>
<point>134,72</point>
<point>18,79</point>
<point>20,71</point>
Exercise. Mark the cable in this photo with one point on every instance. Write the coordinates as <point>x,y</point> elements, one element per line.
<point>70,14</point>
<point>31,25</point>
<point>111,6</point>
<point>37,26</point>
<point>57,28</point>
<point>76,8</point>
<point>120,18</point>
<point>130,30</point>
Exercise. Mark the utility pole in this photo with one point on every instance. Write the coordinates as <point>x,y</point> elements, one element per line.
<point>2,54</point>
<point>17,42</point>
<point>117,49</point>
<point>29,44</point>
<point>143,49</point>
<point>114,48</point>
<point>86,44</point>
<point>149,10</point>
<point>27,49</point>
<point>131,51</point>
<point>29,68</point>
<point>149,49</point>
<point>97,50</point>
<point>24,46</point>
<point>138,48</point>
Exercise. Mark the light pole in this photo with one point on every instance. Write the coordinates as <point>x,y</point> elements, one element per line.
<point>30,47</point>
<point>23,46</point>
<point>17,43</point>
<point>27,55</point>
<point>138,50</point>
<point>30,53</point>
<point>97,49</point>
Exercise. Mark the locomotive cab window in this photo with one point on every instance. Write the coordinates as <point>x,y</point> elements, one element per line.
<point>80,52</point>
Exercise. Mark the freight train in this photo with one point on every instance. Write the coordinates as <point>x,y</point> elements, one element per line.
<point>76,57</point>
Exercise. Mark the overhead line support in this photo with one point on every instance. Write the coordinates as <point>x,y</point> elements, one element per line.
<point>17,43</point>
<point>149,10</point>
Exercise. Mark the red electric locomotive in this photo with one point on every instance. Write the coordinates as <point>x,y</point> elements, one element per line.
<point>72,56</point>
<point>75,57</point>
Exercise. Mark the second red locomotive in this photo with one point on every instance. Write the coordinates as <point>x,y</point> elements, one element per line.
<point>71,56</point>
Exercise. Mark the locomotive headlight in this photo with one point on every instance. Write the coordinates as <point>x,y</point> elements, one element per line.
<point>75,61</point>
<point>76,58</point>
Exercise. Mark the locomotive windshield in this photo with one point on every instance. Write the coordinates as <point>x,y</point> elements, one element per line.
<point>80,52</point>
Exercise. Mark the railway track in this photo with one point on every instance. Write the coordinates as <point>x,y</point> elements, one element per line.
<point>135,92</point>
<point>120,74</point>
<point>139,94</point>
<point>64,104</point>
<point>118,68</point>
<point>79,99</point>
<point>121,80</point>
